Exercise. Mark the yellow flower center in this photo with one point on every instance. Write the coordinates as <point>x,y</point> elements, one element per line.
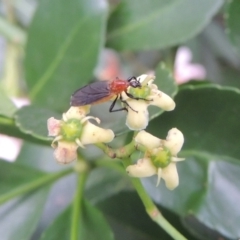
<point>71,129</point>
<point>162,158</point>
<point>142,92</point>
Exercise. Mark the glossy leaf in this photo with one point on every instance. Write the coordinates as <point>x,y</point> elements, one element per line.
<point>209,177</point>
<point>62,49</point>
<point>7,108</point>
<point>20,216</point>
<point>33,120</point>
<point>38,157</point>
<point>92,225</point>
<point>219,44</point>
<point>157,24</point>
<point>105,182</point>
<point>209,118</point>
<point>14,177</point>
<point>233,22</point>
<point>126,209</point>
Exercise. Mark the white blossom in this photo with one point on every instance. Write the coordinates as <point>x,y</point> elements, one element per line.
<point>73,131</point>
<point>138,117</point>
<point>160,157</point>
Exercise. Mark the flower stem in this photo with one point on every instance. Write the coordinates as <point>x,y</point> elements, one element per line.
<point>12,32</point>
<point>122,152</point>
<point>30,186</point>
<point>77,205</point>
<point>152,209</point>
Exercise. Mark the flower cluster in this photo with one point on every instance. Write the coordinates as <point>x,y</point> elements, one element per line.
<point>73,131</point>
<point>160,157</point>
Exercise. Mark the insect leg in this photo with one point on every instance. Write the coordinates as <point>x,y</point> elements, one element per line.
<point>125,102</point>
<point>113,104</point>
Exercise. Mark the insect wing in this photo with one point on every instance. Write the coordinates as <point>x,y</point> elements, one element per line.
<point>90,93</point>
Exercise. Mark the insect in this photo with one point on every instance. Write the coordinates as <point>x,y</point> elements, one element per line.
<point>104,91</point>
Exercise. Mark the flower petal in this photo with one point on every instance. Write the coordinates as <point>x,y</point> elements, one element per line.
<point>174,141</point>
<point>66,152</point>
<point>143,168</point>
<point>170,175</point>
<point>53,126</point>
<point>145,79</point>
<point>76,112</point>
<point>148,140</point>
<point>94,134</point>
<point>137,120</point>
<point>161,100</point>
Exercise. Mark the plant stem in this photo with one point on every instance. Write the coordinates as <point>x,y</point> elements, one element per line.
<point>152,209</point>
<point>12,32</point>
<point>122,152</point>
<point>77,205</point>
<point>45,179</point>
<point>7,121</point>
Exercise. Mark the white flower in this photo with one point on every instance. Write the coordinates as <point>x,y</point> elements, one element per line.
<point>75,131</point>
<point>137,117</point>
<point>160,157</point>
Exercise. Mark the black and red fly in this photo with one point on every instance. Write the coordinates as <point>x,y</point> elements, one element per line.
<point>103,91</point>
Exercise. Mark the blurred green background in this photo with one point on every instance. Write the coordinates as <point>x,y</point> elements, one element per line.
<point>48,49</point>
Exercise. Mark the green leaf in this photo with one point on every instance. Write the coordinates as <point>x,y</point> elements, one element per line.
<point>19,217</point>
<point>105,182</point>
<point>7,108</point>
<point>126,209</point>
<point>92,225</point>
<point>233,22</point>
<point>62,49</point>
<point>219,44</point>
<point>208,116</point>
<point>16,179</point>
<point>38,157</point>
<point>32,120</point>
<point>141,24</point>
